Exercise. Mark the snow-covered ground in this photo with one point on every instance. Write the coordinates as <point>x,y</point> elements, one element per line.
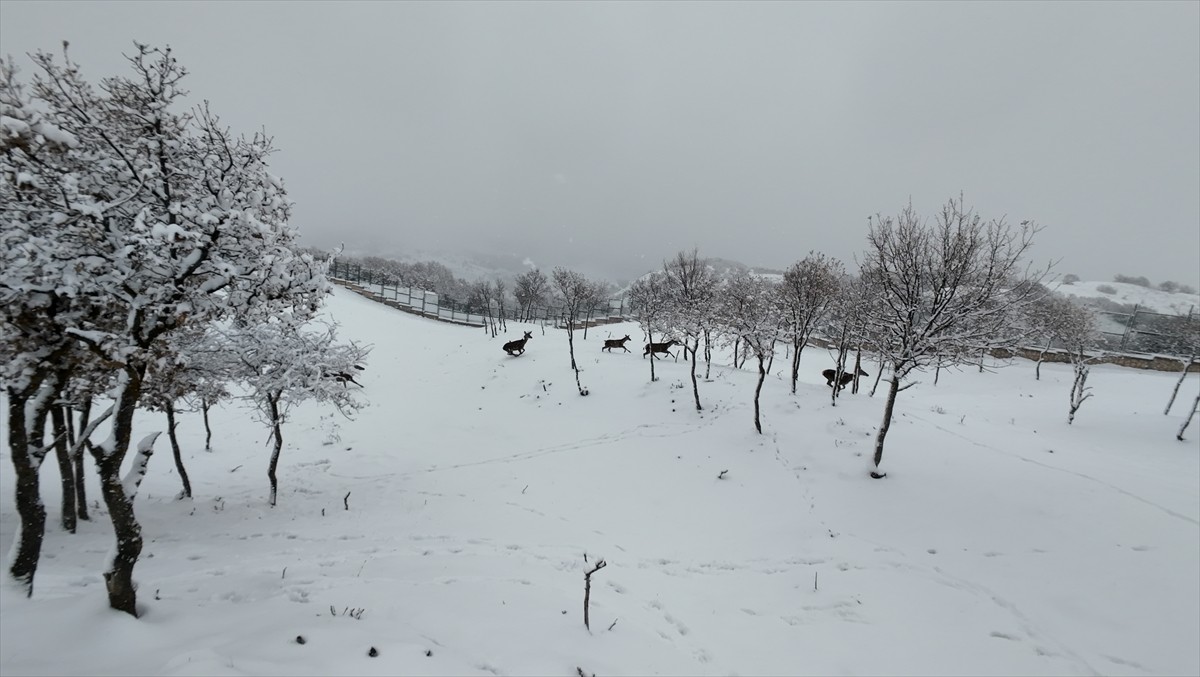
<point>1003,541</point>
<point>1153,300</point>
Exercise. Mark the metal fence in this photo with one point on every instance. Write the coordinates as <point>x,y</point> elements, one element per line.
<point>1146,332</point>
<point>442,307</point>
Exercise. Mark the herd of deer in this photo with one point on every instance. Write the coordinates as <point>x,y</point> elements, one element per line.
<point>516,348</point>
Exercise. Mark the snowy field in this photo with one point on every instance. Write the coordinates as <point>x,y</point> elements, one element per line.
<point>1002,542</point>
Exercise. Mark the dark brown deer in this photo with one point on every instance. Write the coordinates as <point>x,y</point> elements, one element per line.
<point>518,346</point>
<point>847,377</point>
<point>652,349</point>
<point>343,377</point>
<point>609,344</point>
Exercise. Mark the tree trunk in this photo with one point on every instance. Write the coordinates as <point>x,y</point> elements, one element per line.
<point>122,595</point>
<point>839,367</point>
<point>695,387</point>
<point>80,485</point>
<point>187,485</point>
<point>1078,390</point>
<point>277,433</point>
<point>24,440</point>
<point>795,363</point>
<point>1188,421</point>
<point>204,406</point>
<point>66,469</point>
<point>1042,356</point>
<point>27,413</point>
<point>736,344</point>
<point>762,375</point>
<point>707,355</point>
<point>1182,376</point>
<point>650,340</point>
<point>571,343</point>
<point>878,375</point>
<point>888,409</point>
<point>857,371</point>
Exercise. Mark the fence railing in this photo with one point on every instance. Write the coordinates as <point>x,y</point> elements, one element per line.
<point>443,307</point>
<point>1143,331</point>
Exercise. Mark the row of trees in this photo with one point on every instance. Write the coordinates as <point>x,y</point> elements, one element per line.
<point>927,295</point>
<point>146,261</point>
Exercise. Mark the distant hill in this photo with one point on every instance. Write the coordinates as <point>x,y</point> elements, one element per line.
<point>1153,300</point>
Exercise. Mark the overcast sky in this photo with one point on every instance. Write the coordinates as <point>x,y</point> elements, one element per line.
<point>607,136</point>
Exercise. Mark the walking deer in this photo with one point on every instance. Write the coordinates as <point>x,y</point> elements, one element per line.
<point>518,346</point>
<point>652,349</point>
<point>847,377</point>
<point>609,344</point>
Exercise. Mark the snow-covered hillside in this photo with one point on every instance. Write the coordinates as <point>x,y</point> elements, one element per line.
<point>1153,300</point>
<point>1003,541</point>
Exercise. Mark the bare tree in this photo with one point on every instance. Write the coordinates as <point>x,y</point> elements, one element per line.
<point>809,290</point>
<point>691,288</point>
<point>577,295</point>
<point>750,313</point>
<point>1075,328</point>
<point>847,327</point>
<point>1188,420</point>
<point>649,298</point>
<point>943,290</point>
<point>1187,343</point>
<point>1041,318</point>
<point>531,289</point>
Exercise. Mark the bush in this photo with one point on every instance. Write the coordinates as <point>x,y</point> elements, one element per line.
<point>1169,287</point>
<point>1107,289</point>
<point>1184,289</point>
<point>1126,279</point>
<point>1070,278</point>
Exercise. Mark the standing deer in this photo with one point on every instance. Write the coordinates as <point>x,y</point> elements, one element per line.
<point>518,346</point>
<point>653,348</point>
<point>847,377</point>
<point>609,344</point>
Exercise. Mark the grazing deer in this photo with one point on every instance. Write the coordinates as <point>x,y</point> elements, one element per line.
<point>518,346</point>
<point>609,344</point>
<point>847,377</point>
<point>653,348</point>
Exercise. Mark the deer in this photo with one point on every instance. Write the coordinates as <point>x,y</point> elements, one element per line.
<point>343,377</point>
<point>518,346</point>
<point>609,344</point>
<point>653,348</point>
<point>847,377</point>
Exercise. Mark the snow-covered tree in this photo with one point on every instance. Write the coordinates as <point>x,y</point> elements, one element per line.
<point>750,313</point>
<point>809,291</point>
<point>846,327</point>
<point>943,290</point>
<point>650,301</point>
<point>1075,329</point>
<point>1041,319</point>
<point>691,289</point>
<point>282,364</point>
<point>146,220</point>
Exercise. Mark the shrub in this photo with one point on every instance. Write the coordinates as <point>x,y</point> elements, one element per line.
<point>1126,279</point>
<point>1106,289</point>
<point>1070,278</point>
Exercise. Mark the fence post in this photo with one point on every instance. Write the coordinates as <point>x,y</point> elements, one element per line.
<point>1128,326</point>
